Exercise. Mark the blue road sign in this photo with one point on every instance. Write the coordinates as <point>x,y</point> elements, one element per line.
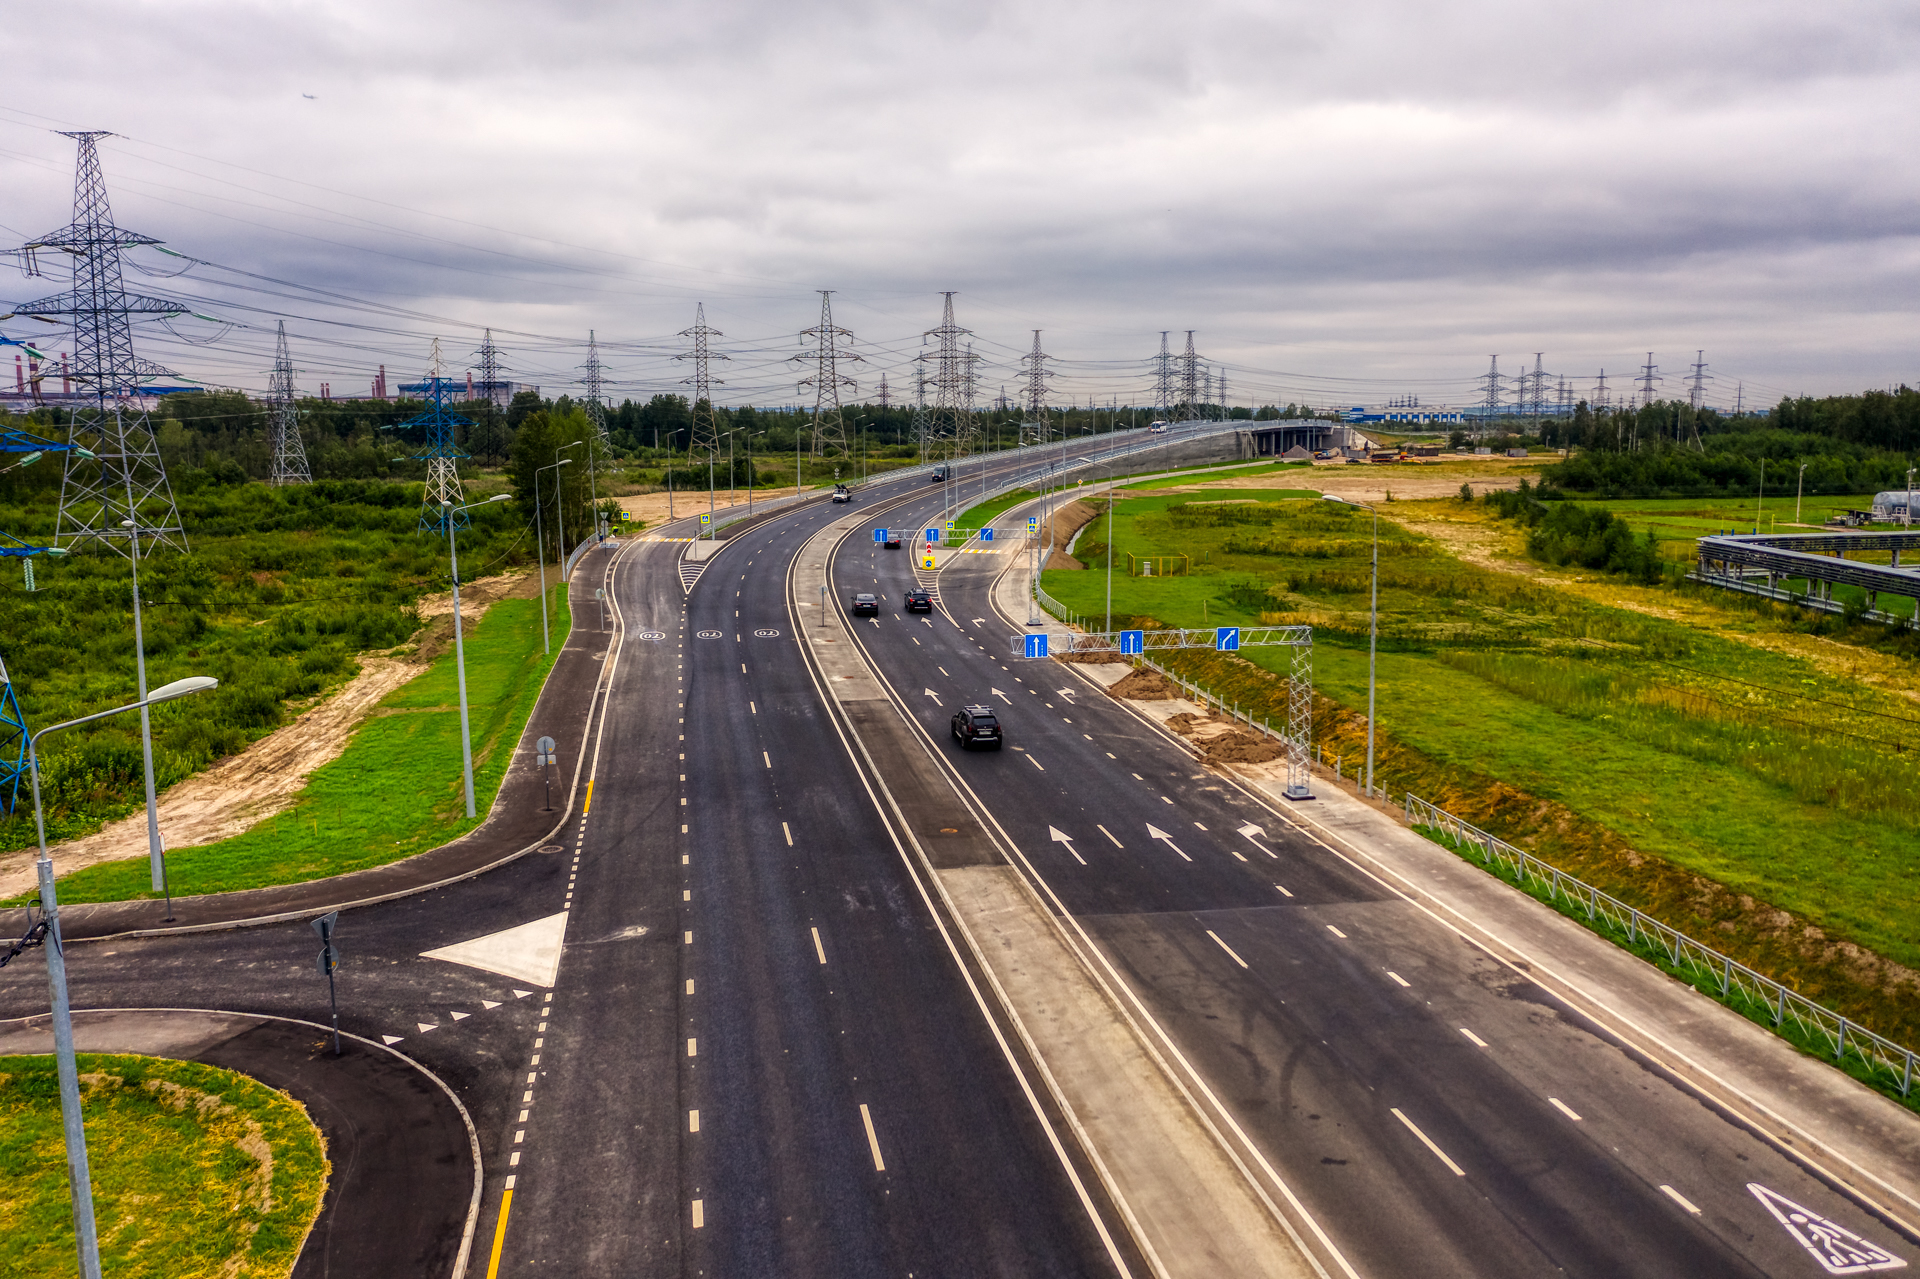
<point>1036,646</point>
<point>933,535</point>
<point>1133,642</point>
<point>1226,639</point>
<point>986,535</point>
<point>879,535</point>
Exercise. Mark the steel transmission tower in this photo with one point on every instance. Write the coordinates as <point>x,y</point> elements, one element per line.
<point>1163,380</point>
<point>885,402</point>
<point>1537,397</point>
<point>113,472</point>
<point>596,387</point>
<point>1490,406</point>
<point>1190,380</point>
<point>289,455</point>
<point>441,453</point>
<point>1649,374</point>
<point>951,417</point>
<point>1600,403</point>
<point>1699,380</point>
<point>1035,395</point>
<point>829,427</point>
<point>489,388</point>
<point>920,405</point>
<point>706,431</point>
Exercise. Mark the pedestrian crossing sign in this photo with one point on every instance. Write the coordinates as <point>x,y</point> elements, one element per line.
<point>705,520</point>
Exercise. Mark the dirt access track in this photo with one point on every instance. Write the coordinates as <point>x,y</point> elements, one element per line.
<point>245,789</point>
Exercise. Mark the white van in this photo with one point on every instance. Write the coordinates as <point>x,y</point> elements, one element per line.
<point>1158,428</point>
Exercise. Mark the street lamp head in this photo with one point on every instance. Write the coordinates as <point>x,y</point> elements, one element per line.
<point>565,461</point>
<point>499,497</point>
<point>181,687</point>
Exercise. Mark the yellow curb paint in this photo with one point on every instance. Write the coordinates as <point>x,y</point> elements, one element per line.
<point>499,1235</point>
<point>588,806</point>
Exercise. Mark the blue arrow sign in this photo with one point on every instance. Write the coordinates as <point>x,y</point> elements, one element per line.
<point>1227,639</point>
<point>986,535</point>
<point>1036,646</point>
<point>879,535</point>
<point>933,535</point>
<point>1133,642</point>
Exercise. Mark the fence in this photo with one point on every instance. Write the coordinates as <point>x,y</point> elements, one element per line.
<point>1882,1059</point>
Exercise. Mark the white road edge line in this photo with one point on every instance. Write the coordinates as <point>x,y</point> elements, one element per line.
<point>1427,1141</point>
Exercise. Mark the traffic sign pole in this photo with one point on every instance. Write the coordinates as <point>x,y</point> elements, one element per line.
<point>330,960</point>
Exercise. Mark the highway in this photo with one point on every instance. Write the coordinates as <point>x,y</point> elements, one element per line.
<point>768,1050</point>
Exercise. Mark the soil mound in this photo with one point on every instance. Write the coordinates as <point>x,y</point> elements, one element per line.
<point>1145,685</point>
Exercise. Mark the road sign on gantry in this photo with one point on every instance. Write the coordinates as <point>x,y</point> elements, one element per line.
<point>932,535</point>
<point>1036,645</point>
<point>986,535</point>
<point>1133,642</point>
<point>1226,639</point>
<point>879,535</point>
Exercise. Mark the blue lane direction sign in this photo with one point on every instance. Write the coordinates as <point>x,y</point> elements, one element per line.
<point>1036,645</point>
<point>986,535</point>
<point>879,535</point>
<point>1033,524</point>
<point>1133,642</point>
<point>1226,639</point>
<point>933,535</point>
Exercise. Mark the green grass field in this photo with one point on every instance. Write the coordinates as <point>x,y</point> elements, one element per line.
<point>1642,736</point>
<point>197,1172</point>
<point>395,790</point>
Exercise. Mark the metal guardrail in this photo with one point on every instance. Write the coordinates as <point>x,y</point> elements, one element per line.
<point>1880,1055</point>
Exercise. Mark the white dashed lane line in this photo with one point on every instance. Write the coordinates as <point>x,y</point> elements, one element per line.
<point>1223,946</point>
<point>1427,1141</point>
<point>1472,1038</point>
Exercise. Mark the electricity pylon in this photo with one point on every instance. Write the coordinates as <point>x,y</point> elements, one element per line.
<point>595,384</point>
<point>289,454</point>
<point>489,388</point>
<point>706,431</point>
<point>113,471</point>
<point>1649,374</point>
<point>829,427</point>
<point>1163,381</point>
<point>951,419</point>
<point>441,454</point>
<point>1035,396</point>
<point>1190,379</point>
<point>1490,406</point>
<point>1699,378</point>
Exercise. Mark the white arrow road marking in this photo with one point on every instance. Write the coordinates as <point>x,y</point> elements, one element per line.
<point>1254,835</point>
<point>530,951</point>
<point>1067,693</point>
<point>979,621</point>
<point>936,699</point>
<point>1059,836</point>
<point>1154,832</point>
<point>1002,696</point>
<point>1838,1250</point>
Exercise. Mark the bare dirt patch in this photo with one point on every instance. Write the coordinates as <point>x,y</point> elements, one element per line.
<point>1064,523</point>
<point>656,509</point>
<point>1145,684</point>
<point>245,789</point>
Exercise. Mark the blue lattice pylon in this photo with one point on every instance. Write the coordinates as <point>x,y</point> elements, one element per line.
<point>13,742</point>
<point>441,453</point>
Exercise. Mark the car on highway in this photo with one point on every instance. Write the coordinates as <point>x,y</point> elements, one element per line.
<point>841,494</point>
<point>893,541</point>
<point>919,601</point>
<point>976,726</point>
<point>865,604</point>
<point>939,475</point>
<point>1158,428</point>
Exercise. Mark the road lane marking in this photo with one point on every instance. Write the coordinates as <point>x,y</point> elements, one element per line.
<point>1198,826</point>
<point>1472,1038</point>
<point>1223,946</point>
<point>1036,763</point>
<point>768,758</point>
<point>1283,890</point>
<point>693,1121</point>
<point>1564,1109</point>
<point>787,833</point>
<point>752,709</point>
<point>689,938</point>
<point>693,1046</point>
<point>1336,932</point>
<point>873,1141</point>
<point>500,1231</point>
<point>588,806</point>
<point>1165,800</point>
<point>1109,834</point>
<point>1680,1199</point>
<point>1398,979</point>
<point>699,1216</point>
<point>1427,1141</point>
<point>818,949</point>
<point>689,985</point>
<point>686,894</point>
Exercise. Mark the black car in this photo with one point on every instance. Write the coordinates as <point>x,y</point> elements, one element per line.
<point>865,605</point>
<point>976,726</point>
<point>919,601</point>
<point>893,542</point>
<point>938,477</point>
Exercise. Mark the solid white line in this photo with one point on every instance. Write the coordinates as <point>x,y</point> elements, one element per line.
<point>1680,1199</point>
<point>1564,1109</point>
<point>818,949</point>
<point>787,833</point>
<point>873,1142</point>
<point>1427,1141</point>
<point>1283,891</point>
<point>1398,978</point>
<point>1109,834</point>
<point>1336,932</point>
<point>1472,1038</point>
<point>1227,948</point>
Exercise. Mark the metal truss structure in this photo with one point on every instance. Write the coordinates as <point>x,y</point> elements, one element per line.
<point>950,421</point>
<point>596,386</point>
<point>114,487</point>
<point>706,430</point>
<point>1034,396</point>
<point>1190,380</point>
<point>1298,735</point>
<point>1758,564</point>
<point>829,425</point>
<point>283,421</point>
<point>13,742</point>
<point>441,453</point>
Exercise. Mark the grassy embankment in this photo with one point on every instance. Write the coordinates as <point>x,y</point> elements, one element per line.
<point>282,589</point>
<point>196,1171</point>
<point>1701,756</point>
<point>396,789</point>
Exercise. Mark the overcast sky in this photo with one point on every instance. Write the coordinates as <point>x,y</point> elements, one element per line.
<point>1346,201</point>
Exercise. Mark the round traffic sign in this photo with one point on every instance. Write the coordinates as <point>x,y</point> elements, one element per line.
<point>544,746</point>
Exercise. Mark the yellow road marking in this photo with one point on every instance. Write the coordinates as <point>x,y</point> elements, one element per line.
<point>499,1234</point>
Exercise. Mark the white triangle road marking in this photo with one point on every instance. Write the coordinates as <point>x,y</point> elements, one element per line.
<point>521,994</point>
<point>1838,1250</point>
<point>425,1026</point>
<point>461,1016</point>
<point>489,1004</point>
<point>529,951</point>
<point>391,1040</point>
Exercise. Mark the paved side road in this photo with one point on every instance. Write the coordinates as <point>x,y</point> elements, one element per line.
<point>403,1192</point>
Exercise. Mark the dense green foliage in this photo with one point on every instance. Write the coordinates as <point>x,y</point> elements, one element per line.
<point>196,1170</point>
<point>281,588</point>
<point>1564,533</point>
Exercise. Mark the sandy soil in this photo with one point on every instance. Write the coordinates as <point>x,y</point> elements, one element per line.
<point>244,789</point>
<point>652,507</point>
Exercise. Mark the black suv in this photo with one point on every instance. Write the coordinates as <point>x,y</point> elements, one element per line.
<point>939,476</point>
<point>865,605</point>
<point>919,601</point>
<point>893,541</point>
<point>976,726</point>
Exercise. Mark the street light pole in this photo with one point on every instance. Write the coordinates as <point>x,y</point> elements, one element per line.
<point>447,511</point>
<point>79,1176</point>
<point>1800,487</point>
<point>156,854</point>
<point>560,508</point>
<point>1373,637</point>
<point>540,548</point>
